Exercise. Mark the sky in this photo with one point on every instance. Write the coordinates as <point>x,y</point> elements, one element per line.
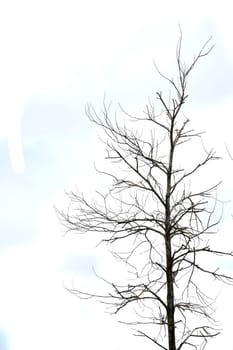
<point>55,57</point>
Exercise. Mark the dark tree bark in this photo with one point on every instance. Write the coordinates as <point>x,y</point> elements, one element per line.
<point>155,224</point>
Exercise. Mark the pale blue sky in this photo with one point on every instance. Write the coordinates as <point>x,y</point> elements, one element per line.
<point>55,57</point>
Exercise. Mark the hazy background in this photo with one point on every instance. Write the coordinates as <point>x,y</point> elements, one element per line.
<point>55,57</point>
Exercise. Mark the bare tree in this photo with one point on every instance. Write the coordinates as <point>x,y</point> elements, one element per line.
<point>154,222</point>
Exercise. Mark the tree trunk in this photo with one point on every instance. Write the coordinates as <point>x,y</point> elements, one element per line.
<point>170,298</point>
<point>169,262</point>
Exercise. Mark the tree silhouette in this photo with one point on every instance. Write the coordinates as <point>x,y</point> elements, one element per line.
<point>154,221</point>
